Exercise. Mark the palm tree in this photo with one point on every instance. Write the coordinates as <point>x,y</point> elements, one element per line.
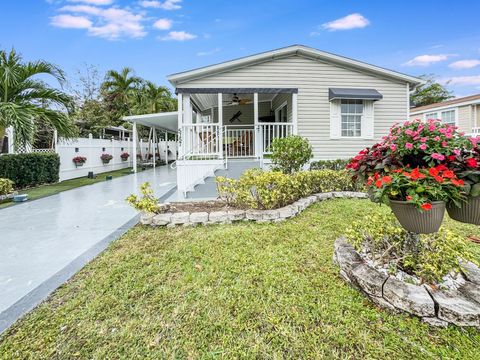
<point>153,99</point>
<point>120,87</point>
<point>25,99</point>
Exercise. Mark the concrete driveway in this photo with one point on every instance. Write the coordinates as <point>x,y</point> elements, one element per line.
<point>46,241</point>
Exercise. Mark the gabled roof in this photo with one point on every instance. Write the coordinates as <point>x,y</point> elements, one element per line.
<point>466,100</point>
<point>285,52</point>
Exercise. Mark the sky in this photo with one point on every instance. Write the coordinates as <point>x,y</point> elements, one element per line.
<point>160,37</point>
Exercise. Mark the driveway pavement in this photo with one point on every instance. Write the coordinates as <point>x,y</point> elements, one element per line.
<point>46,241</point>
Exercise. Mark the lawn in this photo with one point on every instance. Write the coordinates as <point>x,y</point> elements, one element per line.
<point>52,189</point>
<point>229,291</point>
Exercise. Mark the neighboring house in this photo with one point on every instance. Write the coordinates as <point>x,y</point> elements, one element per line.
<point>463,112</point>
<point>235,109</point>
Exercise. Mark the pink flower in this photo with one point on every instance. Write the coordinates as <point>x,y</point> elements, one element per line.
<point>456,152</point>
<point>393,147</point>
<point>432,128</point>
<point>408,146</point>
<point>409,132</point>
<point>436,138</point>
<point>423,139</point>
<point>444,144</point>
<point>442,131</point>
<point>438,156</point>
<point>423,147</point>
<point>448,135</point>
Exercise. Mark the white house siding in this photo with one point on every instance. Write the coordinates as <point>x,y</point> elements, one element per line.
<point>465,117</point>
<point>313,79</point>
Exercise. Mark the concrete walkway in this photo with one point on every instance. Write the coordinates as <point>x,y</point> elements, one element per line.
<point>46,241</point>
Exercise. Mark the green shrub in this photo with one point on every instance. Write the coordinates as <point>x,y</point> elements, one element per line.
<point>30,169</point>
<point>6,186</point>
<point>291,153</point>
<point>147,202</point>
<point>338,164</point>
<point>260,189</point>
<point>430,257</point>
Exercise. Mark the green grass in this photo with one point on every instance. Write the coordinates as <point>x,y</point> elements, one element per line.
<point>266,291</point>
<point>52,189</point>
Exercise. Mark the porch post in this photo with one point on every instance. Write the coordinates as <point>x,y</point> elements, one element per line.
<point>180,124</point>
<point>295,113</point>
<point>257,137</point>
<point>154,146</point>
<point>220,125</point>
<point>166,147</point>
<point>134,149</point>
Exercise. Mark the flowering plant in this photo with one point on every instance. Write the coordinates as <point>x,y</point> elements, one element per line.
<point>79,159</point>
<point>466,165</point>
<point>106,157</point>
<point>125,156</point>
<point>418,186</point>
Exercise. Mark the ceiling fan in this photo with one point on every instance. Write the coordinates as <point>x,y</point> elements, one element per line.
<point>235,100</point>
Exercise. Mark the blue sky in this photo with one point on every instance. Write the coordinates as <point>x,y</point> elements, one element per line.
<point>158,38</point>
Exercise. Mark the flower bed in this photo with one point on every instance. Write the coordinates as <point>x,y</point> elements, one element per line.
<point>212,215</point>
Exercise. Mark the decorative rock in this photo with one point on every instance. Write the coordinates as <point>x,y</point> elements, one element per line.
<point>338,194</point>
<point>413,299</point>
<point>383,303</point>
<point>270,214</point>
<point>235,215</point>
<point>433,321</point>
<point>286,212</point>
<point>199,217</point>
<point>162,219</point>
<point>370,280</point>
<point>146,218</point>
<point>471,272</point>
<point>346,257</point>
<point>456,308</point>
<point>324,196</point>
<point>180,218</point>
<point>254,215</point>
<point>471,291</point>
<point>218,217</point>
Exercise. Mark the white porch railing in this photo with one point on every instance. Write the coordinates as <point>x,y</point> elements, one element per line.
<point>201,142</point>
<point>267,132</point>
<point>239,141</point>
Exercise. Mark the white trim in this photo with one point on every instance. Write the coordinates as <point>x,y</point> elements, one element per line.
<point>439,114</point>
<point>439,107</point>
<point>285,52</point>
<point>277,110</point>
<point>408,102</point>
<point>295,113</point>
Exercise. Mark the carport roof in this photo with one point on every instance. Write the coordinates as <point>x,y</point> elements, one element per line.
<point>164,121</point>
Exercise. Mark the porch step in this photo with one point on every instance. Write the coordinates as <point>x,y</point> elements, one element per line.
<point>208,190</point>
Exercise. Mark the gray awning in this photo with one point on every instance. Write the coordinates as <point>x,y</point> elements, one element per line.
<point>356,94</point>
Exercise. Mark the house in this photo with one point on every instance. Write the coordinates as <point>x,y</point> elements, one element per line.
<point>462,112</point>
<point>233,110</point>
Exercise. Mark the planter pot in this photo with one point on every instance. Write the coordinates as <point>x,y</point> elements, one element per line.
<point>105,162</point>
<point>124,159</point>
<point>78,164</point>
<point>468,213</point>
<point>418,222</point>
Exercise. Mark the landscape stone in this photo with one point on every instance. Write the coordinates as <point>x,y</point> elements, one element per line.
<point>471,272</point>
<point>370,280</point>
<point>434,321</point>
<point>270,214</point>
<point>180,218</point>
<point>456,308</point>
<point>199,217</point>
<point>254,215</point>
<point>324,196</point>
<point>471,291</point>
<point>286,212</point>
<point>236,215</point>
<point>383,303</point>
<point>218,217</point>
<point>413,299</point>
<point>162,219</point>
<point>346,256</point>
<point>146,218</point>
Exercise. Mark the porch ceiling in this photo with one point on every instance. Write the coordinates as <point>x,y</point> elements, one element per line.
<point>164,121</point>
<point>208,101</point>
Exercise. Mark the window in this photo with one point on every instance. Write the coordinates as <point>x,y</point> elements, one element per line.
<point>351,114</point>
<point>281,114</point>
<point>448,117</point>
<point>430,116</point>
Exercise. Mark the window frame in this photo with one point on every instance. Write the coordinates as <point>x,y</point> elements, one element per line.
<point>279,109</point>
<point>362,115</point>
<point>439,116</point>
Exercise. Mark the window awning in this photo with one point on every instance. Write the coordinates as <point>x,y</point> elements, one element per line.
<point>355,94</point>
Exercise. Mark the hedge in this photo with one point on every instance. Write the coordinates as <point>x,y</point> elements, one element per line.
<point>30,169</point>
<point>338,164</point>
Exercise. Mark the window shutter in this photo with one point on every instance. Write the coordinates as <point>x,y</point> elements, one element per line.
<point>368,120</point>
<point>335,119</point>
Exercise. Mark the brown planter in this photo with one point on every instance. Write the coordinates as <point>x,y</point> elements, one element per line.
<point>468,213</point>
<point>418,222</point>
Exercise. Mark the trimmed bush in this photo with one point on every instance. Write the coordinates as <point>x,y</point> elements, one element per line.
<point>291,153</point>
<point>259,189</point>
<point>30,169</point>
<point>338,164</point>
<point>6,186</point>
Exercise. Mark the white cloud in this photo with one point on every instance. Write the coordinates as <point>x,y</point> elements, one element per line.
<point>166,5</point>
<point>464,64</point>
<point>71,22</point>
<point>210,52</point>
<point>352,21</point>
<point>461,80</point>
<point>93,2</point>
<point>178,36</point>
<point>426,60</point>
<point>110,23</point>
<point>163,24</point>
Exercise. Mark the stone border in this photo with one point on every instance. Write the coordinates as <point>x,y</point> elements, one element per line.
<point>260,216</point>
<point>435,307</point>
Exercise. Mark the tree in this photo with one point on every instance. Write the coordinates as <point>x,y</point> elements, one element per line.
<point>25,100</point>
<point>429,93</point>
<point>152,99</point>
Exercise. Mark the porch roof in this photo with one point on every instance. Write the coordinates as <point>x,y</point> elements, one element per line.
<point>163,121</point>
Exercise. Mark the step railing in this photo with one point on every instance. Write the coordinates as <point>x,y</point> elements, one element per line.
<point>267,132</point>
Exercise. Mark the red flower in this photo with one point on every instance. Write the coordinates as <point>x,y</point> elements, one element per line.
<point>387,179</point>
<point>471,162</point>
<point>426,206</point>
<point>433,171</point>
<point>416,174</point>
<point>451,158</point>
<point>458,182</point>
<point>439,179</point>
<point>441,167</point>
<point>378,183</point>
<point>409,198</point>
<point>448,174</point>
